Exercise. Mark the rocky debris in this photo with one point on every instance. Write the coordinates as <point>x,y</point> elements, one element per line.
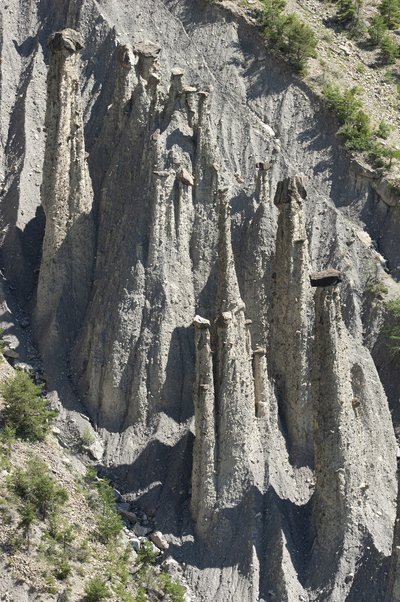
<point>11,353</point>
<point>325,278</point>
<point>95,449</point>
<point>140,530</point>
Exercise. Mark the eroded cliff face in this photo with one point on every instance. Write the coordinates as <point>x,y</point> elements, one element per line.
<point>176,295</point>
<point>66,267</point>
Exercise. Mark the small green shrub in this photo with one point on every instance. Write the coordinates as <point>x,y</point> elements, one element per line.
<point>356,128</point>
<point>147,555</point>
<point>28,516</point>
<point>96,590</point>
<point>25,410</point>
<point>377,287</point>
<point>389,50</point>
<point>298,42</point>
<point>141,595</point>
<point>348,13</point>
<point>37,489</point>
<point>376,30</point>
<point>175,592</point>
<point>109,522</point>
<point>390,11</point>
<point>87,436</point>
<point>109,525</point>
<point>62,568</point>
<point>383,130</point>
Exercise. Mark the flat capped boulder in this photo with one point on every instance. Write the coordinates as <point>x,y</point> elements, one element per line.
<point>66,39</point>
<point>147,49</point>
<point>325,278</point>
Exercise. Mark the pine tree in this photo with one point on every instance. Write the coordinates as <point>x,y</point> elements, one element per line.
<point>299,42</point>
<point>390,11</point>
<point>26,411</point>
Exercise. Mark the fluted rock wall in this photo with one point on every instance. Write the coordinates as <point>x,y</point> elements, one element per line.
<point>277,504</point>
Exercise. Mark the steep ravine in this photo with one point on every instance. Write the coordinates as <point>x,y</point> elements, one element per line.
<point>190,185</point>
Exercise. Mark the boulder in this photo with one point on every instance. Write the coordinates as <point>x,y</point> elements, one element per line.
<point>325,278</point>
<point>159,540</point>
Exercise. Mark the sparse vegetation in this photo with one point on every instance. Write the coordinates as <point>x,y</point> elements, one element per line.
<point>109,522</point>
<point>87,436</point>
<point>390,12</point>
<point>377,287</point>
<point>348,13</point>
<point>291,36</point>
<point>36,490</point>
<point>356,127</point>
<point>26,411</point>
<point>96,590</point>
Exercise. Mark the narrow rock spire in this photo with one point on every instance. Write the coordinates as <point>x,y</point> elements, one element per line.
<point>228,398</point>
<point>235,397</point>
<point>228,294</point>
<point>352,443</point>
<point>203,476</point>
<point>289,319</point>
<point>332,396</point>
<point>68,247</point>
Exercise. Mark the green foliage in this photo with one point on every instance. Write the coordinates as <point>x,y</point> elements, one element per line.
<point>355,125</point>
<point>383,130</point>
<point>109,522</point>
<point>141,595</point>
<point>175,592</point>
<point>87,436</point>
<point>376,29</point>
<point>348,13</point>
<point>390,50</point>
<point>96,590</point>
<point>28,516</point>
<point>146,554</point>
<point>37,489</point>
<point>25,410</point>
<point>63,535</point>
<point>377,287</point>
<point>392,332</point>
<point>298,42</point>
<point>109,525</point>
<point>356,128</point>
<point>62,568</point>
<point>390,11</point>
<point>288,34</point>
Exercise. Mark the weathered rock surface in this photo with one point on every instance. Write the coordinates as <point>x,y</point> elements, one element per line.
<point>178,100</point>
<point>66,267</point>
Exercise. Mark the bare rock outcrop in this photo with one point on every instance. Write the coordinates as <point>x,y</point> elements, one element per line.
<point>68,248</point>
